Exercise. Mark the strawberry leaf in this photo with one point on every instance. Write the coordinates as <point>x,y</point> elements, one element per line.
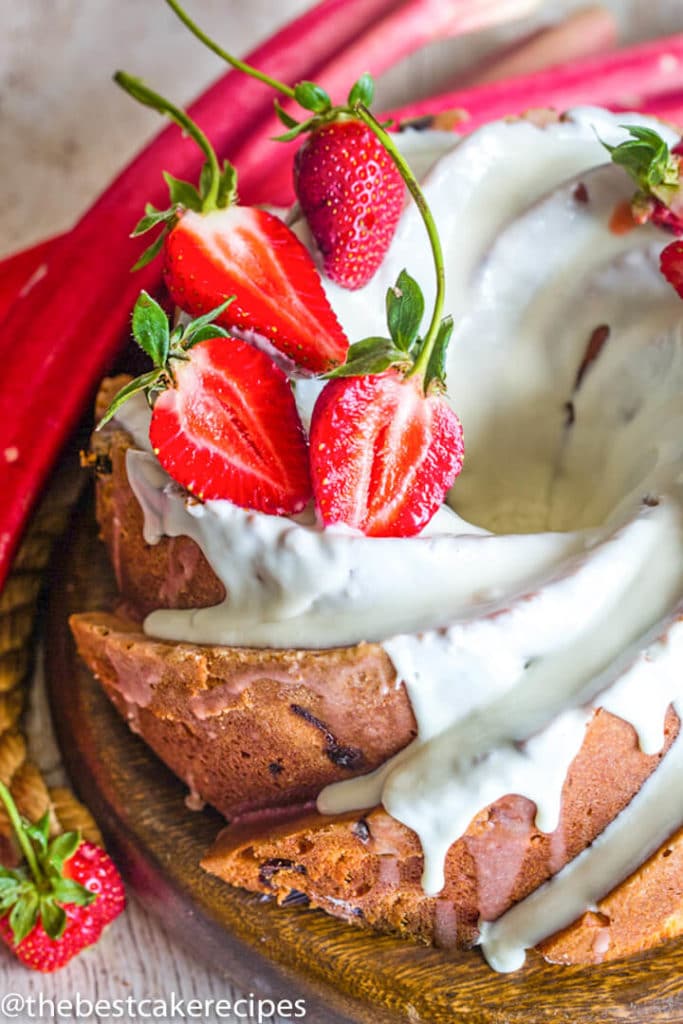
<point>205,179</point>
<point>150,329</point>
<point>8,899</point>
<point>436,368</point>
<point>227,187</point>
<point>182,193</point>
<point>53,918</point>
<point>142,383</point>
<point>363,91</point>
<point>67,891</point>
<point>311,97</point>
<point>646,157</point>
<point>62,848</point>
<point>287,120</point>
<point>24,915</point>
<point>177,335</point>
<point>405,309</point>
<point>152,218</point>
<point>204,334</point>
<point>187,337</point>
<point>150,253</point>
<point>9,879</point>
<point>371,355</point>
<point>38,832</point>
<point>294,133</point>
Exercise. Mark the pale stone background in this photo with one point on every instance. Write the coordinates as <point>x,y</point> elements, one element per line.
<point>65,130</point>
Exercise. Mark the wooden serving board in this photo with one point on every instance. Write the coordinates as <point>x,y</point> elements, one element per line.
<point>345,974</point>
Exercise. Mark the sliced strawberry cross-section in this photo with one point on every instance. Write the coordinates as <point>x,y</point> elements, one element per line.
<point>383,453</point>
<point>230,429</point>
<point>253,255</point>
<point>224,420</point>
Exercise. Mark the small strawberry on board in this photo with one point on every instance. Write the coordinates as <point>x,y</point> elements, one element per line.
<point>213,248</point>
<point>224,420</point>
<point>385,444</point>
<point>61,899</point>
<point>348,187</point>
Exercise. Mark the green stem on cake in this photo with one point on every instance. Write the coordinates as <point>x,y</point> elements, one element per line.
<point>422,361</point>
<point>239,65</point>
<point>136,88</point>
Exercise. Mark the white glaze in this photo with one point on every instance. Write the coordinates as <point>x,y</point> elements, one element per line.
<point>503,641</point>
<point>290,584</point>
<point>621,847</point>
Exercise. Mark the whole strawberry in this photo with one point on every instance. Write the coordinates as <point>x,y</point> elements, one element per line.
<point>352,196</point>
<point>656,170</point>
<point>213,248</point>
<point>61,900</point>
<point>348,187</point>
<point>224,420</point>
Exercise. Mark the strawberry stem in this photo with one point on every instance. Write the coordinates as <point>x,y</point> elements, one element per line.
<point>136,88</point>
<point>239,65</point>
<point>19,831</point>
<point>422,361</point>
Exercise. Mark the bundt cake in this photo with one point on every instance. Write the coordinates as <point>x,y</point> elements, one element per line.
<point>487,714</point>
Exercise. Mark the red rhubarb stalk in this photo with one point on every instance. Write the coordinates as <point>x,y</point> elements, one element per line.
<point>20,271</point>
<point>588,31</point>
<point>60,338</point>
<point>625,79</point>
<point>668,107</point>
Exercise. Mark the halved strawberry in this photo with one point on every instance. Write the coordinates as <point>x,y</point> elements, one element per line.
<point>385,445</point>
<point>213,248</point>
<point>671,265</point>
<point>230,429</point>
<point>251,254</point>
<point>224,421</point>
<point>383,454</point>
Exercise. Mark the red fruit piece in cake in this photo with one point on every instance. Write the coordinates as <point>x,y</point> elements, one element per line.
<point>656,170</point>
<point>352,196</point>
<point>671,264</point>
<point>253,255</point>
<point>214,249</point>
<point>61,899</point>
<point>224,420</point>
<point>383,454</point>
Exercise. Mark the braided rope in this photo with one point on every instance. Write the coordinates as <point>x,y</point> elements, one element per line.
<point>18,609</point>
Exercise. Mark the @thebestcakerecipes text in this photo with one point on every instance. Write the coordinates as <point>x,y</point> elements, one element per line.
<point>171,1007</point>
